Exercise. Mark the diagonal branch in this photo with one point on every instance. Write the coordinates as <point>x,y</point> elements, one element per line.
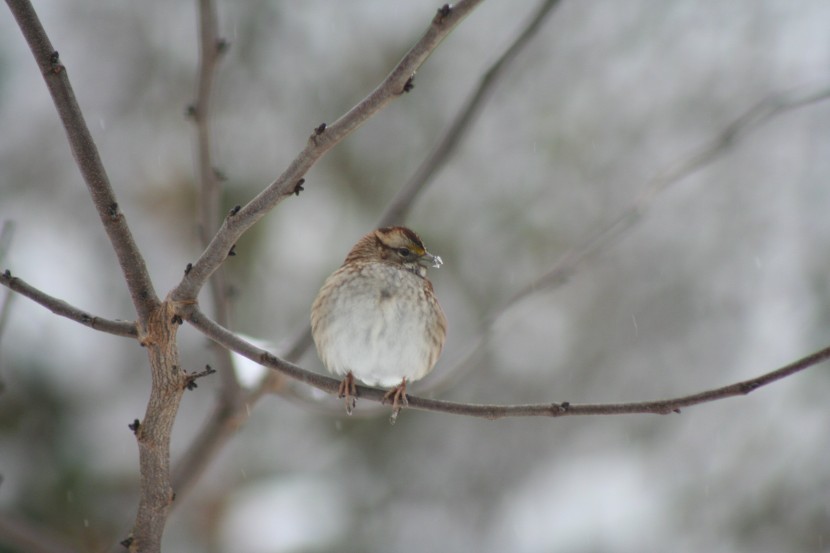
<point>755,116</point>
<point>398,208</point>
<point>86,156</point>
<point>321,141</point>
<point>60,307</point>
<point>330,385</point>
<point>571,260</point>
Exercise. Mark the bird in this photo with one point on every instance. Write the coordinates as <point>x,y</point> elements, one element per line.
<point>377,319</point>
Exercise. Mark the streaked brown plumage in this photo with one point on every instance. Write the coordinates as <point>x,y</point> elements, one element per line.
<point>376,319</point>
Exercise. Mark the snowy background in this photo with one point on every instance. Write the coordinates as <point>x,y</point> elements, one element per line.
<point>727,275</point>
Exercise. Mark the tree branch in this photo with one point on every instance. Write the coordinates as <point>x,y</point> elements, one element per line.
<point>321,141</point>
<point>60,307</point>
<point>757,115</point>
<point>86,156</point>
<point>211,48</point>
<point>398,208</point>
<point>228,411</point>
<point>330,385</point>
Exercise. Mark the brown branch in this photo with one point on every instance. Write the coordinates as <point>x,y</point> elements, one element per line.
<point>398,208</point>
<point>211,48</point>
<point>86,156</point>
<point>60,307</point>
<point>169,382</point>
<point>554,409</point>
<point>321,141</point>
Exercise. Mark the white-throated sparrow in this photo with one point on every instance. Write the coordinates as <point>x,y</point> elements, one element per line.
<point>377,319</point>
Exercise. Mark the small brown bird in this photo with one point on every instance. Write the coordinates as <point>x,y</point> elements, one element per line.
<point>377,319</point>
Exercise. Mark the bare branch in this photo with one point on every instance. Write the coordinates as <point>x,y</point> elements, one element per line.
<point>60,307</point>
<point>760,113</point>
<point>169,381</point>
<point>321,141</point>
<point>211,48</point>
<point>398,208</point>
<point>553,409</point>
<point>86,156</point>
<point>23,536</point>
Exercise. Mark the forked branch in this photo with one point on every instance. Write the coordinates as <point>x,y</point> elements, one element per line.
<point>86,156</point>
<point>322,139</point>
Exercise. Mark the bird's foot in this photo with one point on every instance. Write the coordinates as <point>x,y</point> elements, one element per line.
<point>397,396</point>
<point>348,390</point>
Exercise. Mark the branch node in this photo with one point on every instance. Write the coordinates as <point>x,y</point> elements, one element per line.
<point>176,320</point>
<point>188,268</point>
<point>219,174</point>
<point>232,251</point>
<point>318,130</point>
<point>408,85</point>
<point>55,60</point>
<point>298,187</point>
<point>190,379</point>
<point>747,387</point>
<point>127,542</point>
<point>7,274</point>
<point>222,46</point>
<point>134,426</point>
<point>234,210</point>
<point>112,210</point>
<point>443,12</point>
<point>564,407</point>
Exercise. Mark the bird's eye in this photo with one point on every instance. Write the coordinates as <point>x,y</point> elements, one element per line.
<point>404,252</point>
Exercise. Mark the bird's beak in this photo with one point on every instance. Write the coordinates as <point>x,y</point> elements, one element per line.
<point>429,260</point>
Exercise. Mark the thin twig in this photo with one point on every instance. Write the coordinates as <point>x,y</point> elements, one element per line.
<point>323,138</point>
<point>398,208</point>
<point>60,307</point>
<point>86,156</point>
<point>227,413</point>
<point>755,116</point>
<point>552,409</point>
<point>211,48</point>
